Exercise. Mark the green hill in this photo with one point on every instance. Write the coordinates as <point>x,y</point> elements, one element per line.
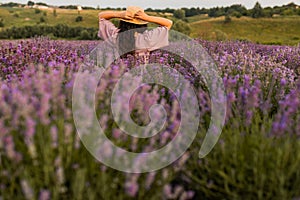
<point>279,30</point>
<point>30,16</point>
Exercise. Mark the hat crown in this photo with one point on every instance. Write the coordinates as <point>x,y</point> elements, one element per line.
<point>132,10</point>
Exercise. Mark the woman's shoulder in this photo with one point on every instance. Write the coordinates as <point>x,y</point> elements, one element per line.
<point>104,23</point>
<point>157,32</point>
<point>153,38</point>
<point>107,29</point>
<point>158,29</point>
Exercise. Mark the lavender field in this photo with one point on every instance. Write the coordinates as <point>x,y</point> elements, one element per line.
<point>42,157</point>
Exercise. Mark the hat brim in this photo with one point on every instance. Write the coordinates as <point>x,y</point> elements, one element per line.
<point>134,21</point>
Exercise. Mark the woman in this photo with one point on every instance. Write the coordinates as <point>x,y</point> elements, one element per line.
<point>136,39</point>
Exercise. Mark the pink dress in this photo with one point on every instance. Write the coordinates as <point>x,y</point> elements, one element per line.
<point>145,42</point>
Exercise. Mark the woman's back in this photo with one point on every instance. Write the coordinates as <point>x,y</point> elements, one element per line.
<point>132,35</point>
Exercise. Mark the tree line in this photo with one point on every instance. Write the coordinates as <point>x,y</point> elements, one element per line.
<point>236,10</point>
<point>57,31</point>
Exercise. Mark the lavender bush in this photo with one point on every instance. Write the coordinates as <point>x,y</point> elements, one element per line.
<point>41,156</point>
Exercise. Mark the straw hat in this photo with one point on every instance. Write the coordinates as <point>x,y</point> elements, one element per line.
<point>130,12</point>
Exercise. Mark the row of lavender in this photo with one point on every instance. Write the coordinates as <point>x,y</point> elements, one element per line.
<point>42,157</point>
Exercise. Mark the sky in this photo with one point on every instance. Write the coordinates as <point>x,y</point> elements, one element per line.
<point>160,4</point>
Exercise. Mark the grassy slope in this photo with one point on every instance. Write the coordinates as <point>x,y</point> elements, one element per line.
<point>64,16</point>
<point>282,30</point>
